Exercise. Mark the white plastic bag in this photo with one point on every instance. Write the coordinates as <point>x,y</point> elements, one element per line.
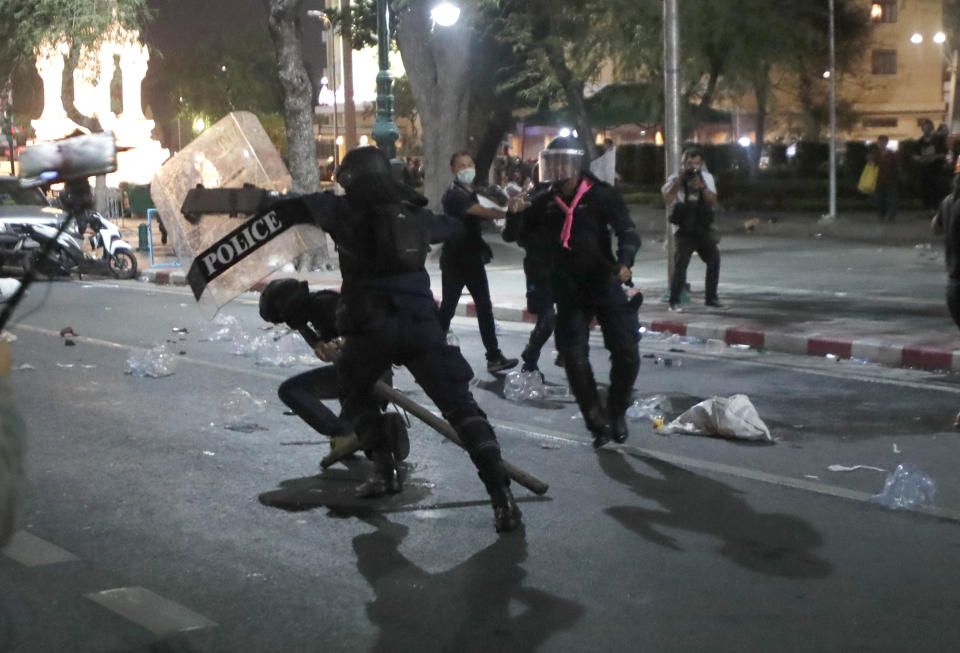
<point>731,417</point>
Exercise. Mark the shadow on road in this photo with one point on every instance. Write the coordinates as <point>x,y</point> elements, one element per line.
<point>334,490</point>
<point>479,605</point>
<point>768,543</point>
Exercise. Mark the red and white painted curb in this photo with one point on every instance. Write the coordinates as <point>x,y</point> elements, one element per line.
<point>874,350</point>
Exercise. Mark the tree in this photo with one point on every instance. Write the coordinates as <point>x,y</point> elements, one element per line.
<point>437,62</point>
<point>283,21</point>
<point>211,79</point>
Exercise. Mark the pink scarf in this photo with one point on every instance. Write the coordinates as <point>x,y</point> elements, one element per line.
<point>568,223</point>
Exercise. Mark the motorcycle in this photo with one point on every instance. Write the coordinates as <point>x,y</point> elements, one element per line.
<point>117,253</point>
<point>23,244</point>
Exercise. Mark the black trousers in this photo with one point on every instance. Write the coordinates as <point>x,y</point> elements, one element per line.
<point>412,338</point>
<point>953,300</point>
<point>303,394</point>
<point>474,277</point>
<point>708,252</point>
<point>620,325</point>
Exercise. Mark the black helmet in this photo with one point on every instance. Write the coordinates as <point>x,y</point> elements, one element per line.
<point>281,297</point>
<point>563,159</point>
<point>367,175</point>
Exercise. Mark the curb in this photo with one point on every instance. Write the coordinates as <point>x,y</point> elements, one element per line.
<point>876,351</point>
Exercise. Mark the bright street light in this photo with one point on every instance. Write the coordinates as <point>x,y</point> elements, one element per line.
<point>939,37</point>
<point>916,38</point>
<point>199,124</point>
<point>744,141</point>
<point>445,14</point>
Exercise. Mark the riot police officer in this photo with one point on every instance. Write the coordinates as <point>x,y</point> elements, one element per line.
<point>573,220</point>
<point>387,315</point>
<point>290,301</point>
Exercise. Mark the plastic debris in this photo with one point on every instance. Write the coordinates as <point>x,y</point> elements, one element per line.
<point>741,347</point>
<point>732,417</point>
<point>896,449</point>
<point>523,386</point>
<point>668,362</point>
<point>68,342</point>
<point>906,487</point>
<point>853,468</point>
<point>452,339</point>
<point>283,350</point>
<point>715,346</point>
<point>239,411</point>
<point>24,366</point>
<point>223,327</point>
<point>67,331</point>
<point>557,392</point>
<point>155,363</point>
<point>649,408</point>
<point>832,357</point>
<point>180,330</point>
<point>6,336</point>
<point>65,365</point>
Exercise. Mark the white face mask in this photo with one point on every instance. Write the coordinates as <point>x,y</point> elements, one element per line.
<point>467,175</point>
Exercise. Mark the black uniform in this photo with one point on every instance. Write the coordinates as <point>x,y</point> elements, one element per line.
<point>536,239</point>
<point>462,262</point>
<point>390,318</point>
<point>585,287</point>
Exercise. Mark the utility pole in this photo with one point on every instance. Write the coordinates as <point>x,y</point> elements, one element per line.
<point>832,211</point>
<point>671,90</point>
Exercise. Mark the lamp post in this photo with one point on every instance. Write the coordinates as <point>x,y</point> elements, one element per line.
<point>385,131</point>
<point>671,89</point>
<point>325,25</point>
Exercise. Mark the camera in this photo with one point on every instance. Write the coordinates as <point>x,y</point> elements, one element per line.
<point>690,174</point>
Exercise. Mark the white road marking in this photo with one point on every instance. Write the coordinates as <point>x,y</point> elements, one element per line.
<point>32,551</point>
<point>155,613</point>
<point>706,465</point>
<point>730,470</point>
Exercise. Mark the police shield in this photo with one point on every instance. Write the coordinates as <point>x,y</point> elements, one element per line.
<point>244,242</point>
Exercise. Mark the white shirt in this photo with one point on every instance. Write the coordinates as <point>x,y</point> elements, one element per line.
<point>681,196</point>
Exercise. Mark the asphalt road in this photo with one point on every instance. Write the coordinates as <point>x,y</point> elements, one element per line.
<point>147,526</point>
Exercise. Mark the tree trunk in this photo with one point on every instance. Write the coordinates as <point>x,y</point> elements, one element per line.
<point>573,91</point>
<point>89,123</point>
<point>437,64</point>
<point>761,90</point>
<point>297,110</point>
<point>297,95</point>
<point>349,109</point>
<point>497,126</point>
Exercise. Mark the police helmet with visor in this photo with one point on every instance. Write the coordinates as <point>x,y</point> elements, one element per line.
<point>367,176</point>
<point>563,159</point>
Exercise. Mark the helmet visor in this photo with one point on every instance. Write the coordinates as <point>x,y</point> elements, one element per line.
<point>560,165</point>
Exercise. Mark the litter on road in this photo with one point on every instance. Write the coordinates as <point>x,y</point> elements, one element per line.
<point>731,417</point>
<point>906,487</point>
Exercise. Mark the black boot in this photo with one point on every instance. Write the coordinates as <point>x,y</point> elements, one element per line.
<point>506,513</point>
<point>599,426</point>
<point>383,480</point>
<point>395,432</point>
<point>618,428</point>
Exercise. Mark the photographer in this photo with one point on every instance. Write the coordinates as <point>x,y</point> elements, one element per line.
<point>691,195</point>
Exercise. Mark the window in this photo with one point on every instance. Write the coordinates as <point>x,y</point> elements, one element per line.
<point>884,12</point>
<point>884,62</point>
<point>880,122</point>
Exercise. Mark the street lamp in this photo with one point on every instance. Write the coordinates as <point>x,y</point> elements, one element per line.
<point>327,24</point>
<point>385,131</point>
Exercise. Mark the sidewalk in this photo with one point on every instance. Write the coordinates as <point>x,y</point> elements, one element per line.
<point>851,288</point>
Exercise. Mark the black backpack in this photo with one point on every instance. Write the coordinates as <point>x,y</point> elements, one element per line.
<point>401,240</point>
